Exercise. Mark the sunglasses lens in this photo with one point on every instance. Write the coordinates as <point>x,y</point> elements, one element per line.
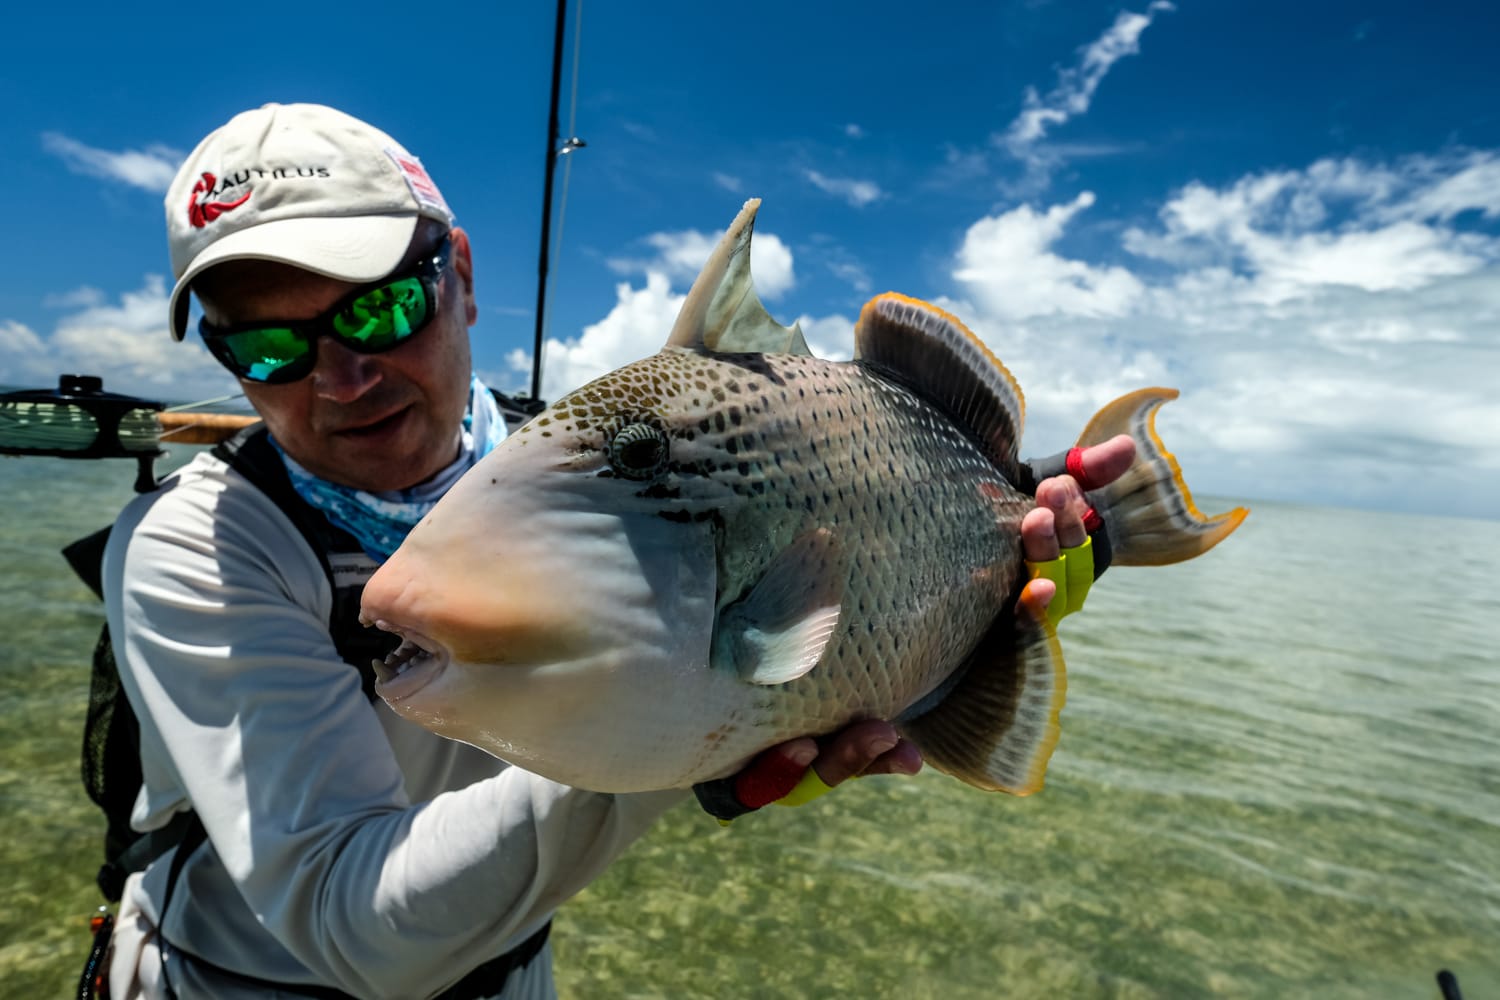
<point>385,316</point>
<point>266,354</point>
<point>373,321</point>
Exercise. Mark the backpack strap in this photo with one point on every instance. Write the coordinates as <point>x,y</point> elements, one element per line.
<point>86,558</point>
<point>251,454</point>
<point>111,740</point>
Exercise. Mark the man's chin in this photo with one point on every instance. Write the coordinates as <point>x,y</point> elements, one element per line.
<point>395,453</point>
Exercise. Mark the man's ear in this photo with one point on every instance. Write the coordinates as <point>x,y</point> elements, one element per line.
<point>463,269</point>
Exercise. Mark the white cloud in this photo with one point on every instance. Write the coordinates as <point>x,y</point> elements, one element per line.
<point>636,327</point>
<point>23,360</point>
<point>680,256</point>
<point>1076,84</point>
<point>852,273</point>
<point>1348,333</point>
<point>1332,335</point>
<point>125,342</point>
<point>853,131</point>
<point>511,310</point>
<point>639,130</point>
<point>1473,187</point>
<point>1274,228</point>
<point>856,192</point>
<point>152,168</point>
<point>832,255</point>
<point>641,318</point>
<point>960,168</point>
<point>729,183</point>
<point>1007,264</point>
<point>76,299</point>
<point>830,337</point>
<point>1402,256</point>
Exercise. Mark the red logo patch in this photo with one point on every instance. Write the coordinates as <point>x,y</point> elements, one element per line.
<point>201,214</point>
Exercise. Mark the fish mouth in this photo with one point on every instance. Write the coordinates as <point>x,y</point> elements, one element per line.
<point>414,664</point>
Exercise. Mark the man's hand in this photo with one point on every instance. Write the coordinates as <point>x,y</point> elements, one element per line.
<point>1057,521</point>
<point>873,746</point>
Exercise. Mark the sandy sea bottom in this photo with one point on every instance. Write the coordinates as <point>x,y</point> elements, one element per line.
<point>1279,776</point>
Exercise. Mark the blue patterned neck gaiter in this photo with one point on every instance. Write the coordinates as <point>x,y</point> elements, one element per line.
<point>381,521</point>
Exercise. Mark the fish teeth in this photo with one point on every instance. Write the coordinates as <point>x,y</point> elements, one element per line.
<point>399,660</point>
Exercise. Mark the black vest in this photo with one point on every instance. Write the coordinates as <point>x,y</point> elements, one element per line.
<point>111,745</point>
<point>111,741</point>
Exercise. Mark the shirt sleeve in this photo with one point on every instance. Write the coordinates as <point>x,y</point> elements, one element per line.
<point>219,611</point>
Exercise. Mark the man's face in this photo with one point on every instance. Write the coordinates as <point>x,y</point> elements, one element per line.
<point>370,421</point>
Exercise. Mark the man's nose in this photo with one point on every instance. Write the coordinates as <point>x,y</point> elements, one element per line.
<point>343,375</point>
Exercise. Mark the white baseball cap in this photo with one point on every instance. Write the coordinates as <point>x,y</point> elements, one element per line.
<point>300,184</point>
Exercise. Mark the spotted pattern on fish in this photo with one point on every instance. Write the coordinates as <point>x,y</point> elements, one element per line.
<point>773,446</point>
<point>707,552</point>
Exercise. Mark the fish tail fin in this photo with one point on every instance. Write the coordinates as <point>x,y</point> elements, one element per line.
<point>995,727</point>
<point>1149,512</point>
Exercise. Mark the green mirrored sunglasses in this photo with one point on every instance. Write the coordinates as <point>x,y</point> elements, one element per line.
<point>369,320</point>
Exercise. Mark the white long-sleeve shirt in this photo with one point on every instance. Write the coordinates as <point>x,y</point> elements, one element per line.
<point>346,845</point>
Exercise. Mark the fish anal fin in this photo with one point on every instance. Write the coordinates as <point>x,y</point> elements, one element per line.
<point>722,312</point>
<point>935,355</point>
<point>1149,511</point>
<point>997,726</point>
<point>781,629</point>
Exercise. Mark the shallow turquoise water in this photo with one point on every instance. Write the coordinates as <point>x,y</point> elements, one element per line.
<point>1279,776</point>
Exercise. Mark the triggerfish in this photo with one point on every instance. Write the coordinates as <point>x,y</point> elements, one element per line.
<point>732,543</point>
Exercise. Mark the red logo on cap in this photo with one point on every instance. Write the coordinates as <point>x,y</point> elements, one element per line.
<point>201,214</point>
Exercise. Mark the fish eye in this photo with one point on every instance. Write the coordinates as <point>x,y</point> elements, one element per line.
<point>638,451</point>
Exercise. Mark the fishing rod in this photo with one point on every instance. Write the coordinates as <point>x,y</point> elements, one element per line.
<point>79,419</point>
<point>554,151</point>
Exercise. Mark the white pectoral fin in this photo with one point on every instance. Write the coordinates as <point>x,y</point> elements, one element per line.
<point>781,629</point>
<point>779,656</point>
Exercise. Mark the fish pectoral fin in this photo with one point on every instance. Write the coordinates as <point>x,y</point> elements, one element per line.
<point>996,728</point>
<point>782,628</point>
<point>777,656</point>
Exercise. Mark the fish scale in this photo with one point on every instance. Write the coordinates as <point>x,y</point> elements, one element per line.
<point>799,429</point>
<point>733,543</point>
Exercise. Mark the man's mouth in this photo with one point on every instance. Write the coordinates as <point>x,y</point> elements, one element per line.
<point>377,426</point>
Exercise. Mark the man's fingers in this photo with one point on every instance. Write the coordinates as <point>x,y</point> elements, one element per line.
<point>903,758</point>
<point>772,775</point>
<point>1106,462</point>
<point>869,747</point>
<point>854,749</point>
<point>1039,535</point>
<point>1062,496</point>
<point>1035,597</point>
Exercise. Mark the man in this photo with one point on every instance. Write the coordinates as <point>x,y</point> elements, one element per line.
<point>339,849</point>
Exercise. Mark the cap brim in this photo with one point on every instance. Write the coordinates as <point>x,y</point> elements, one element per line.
<point>357,248</point>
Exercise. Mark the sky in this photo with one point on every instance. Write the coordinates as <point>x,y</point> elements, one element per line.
<point>1288,211</point>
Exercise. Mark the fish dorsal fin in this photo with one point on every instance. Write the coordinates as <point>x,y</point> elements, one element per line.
<point>997,726</point>
<point>934,354</point>
<point>722,313</point>
<point>780,630</point>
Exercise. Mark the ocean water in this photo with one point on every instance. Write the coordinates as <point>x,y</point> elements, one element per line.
<point>1279,776</point>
